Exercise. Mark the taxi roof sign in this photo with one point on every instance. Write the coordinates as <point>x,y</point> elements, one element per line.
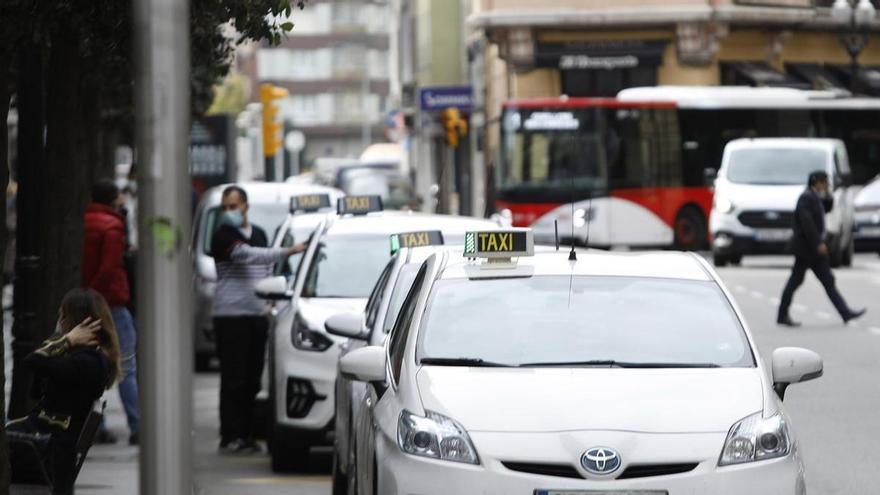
<point>416,239</point>
<point>359,205</point>
<point>309,203</point>
<point>507,243</point>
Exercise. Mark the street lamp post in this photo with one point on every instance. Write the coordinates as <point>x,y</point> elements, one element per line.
<point>859,14</point>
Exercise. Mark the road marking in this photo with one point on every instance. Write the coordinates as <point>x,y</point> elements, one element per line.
<point>799,307</point>
<point>874,330</point>
<point>823,315</point>
<point>757,295</point>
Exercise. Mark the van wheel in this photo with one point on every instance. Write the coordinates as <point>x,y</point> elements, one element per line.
<point>848,253</point>
<point>736,260</point>
<point>340,480</point>
<point>719,260</point>
<point>690,229</point>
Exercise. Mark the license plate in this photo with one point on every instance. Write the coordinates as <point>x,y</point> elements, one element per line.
<point>601,492</point>
<point>869,232</point>
<point>771,235</point>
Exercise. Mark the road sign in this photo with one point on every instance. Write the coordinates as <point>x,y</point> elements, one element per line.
<point>294,141</point>
<point>439,98</point>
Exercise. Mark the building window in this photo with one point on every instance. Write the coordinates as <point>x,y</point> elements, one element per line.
<point>606,82</point>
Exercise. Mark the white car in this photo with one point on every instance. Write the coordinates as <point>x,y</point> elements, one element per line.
<point>867,228</point>
<point>757,189</point>
<point>269,206</point>
<point>336,273</point>
<point>616,373</point>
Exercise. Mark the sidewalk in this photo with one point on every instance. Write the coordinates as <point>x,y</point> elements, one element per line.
<point>109,469</point>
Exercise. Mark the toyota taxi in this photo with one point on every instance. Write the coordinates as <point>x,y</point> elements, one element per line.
<point>344,258</point>
<point>513,373</point>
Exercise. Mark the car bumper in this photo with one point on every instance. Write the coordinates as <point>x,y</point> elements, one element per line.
<point>403,474</point>
<point>203,324</point>
<point>304,386</point>
<point>867,235</point>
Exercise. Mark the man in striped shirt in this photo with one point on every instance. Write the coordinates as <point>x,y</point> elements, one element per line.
<point>242,257</point>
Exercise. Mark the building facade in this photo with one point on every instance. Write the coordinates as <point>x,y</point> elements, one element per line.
<point>335,65</point>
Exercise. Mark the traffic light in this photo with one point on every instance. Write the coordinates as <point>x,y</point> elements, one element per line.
<point>454,125</point>
<point>269,94</point>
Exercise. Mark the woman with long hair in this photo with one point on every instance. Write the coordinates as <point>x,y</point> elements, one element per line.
<point>72,368</point>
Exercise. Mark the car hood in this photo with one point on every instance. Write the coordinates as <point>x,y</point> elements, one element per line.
<point>553,399</point>
<point>760,197</point>
<point>316,310</point>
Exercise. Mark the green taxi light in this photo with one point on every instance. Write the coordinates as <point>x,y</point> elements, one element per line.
<point>359,205</point>
<point>508,243</point>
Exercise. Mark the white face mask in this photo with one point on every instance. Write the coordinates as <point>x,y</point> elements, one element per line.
<point>234,218</point>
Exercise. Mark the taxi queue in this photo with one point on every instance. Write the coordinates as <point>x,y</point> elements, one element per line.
<point>450,355</point>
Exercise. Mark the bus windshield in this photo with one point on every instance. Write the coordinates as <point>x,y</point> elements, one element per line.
<point>549,152</point>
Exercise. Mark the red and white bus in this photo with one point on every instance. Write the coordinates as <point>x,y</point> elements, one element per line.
<point>631,170</point>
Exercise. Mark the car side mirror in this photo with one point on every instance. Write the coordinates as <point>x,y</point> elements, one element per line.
<point>273,289</point>
<point>348,325</point>
<point>709,176</point>
<point>366,364</point>
<point>794,365</point>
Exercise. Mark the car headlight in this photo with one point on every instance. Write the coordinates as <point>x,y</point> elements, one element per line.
<point>436,436</point>
<point>306,339</point>
<point>582,216</point>
<point>722,204</point>
<point>756,439</point>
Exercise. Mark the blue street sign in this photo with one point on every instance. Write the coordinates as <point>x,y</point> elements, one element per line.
<point>436,99</point>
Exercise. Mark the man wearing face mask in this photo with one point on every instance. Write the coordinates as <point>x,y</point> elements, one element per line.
<point>241,326</point>
<point>103,270</point>
<point>811,251</point>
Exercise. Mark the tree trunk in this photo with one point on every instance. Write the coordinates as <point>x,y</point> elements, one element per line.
<point>5,71</point>
<point>28,324</point>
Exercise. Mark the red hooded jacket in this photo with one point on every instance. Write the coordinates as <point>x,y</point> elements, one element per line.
<point>103,267</point>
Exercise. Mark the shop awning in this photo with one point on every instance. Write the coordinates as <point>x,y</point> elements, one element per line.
<point>819,76</point>
<point>759,74</point>
<point>598,55</point>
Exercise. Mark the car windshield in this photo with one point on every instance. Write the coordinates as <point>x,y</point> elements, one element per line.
<point>346,266</point>
<point>774,166</point>
<point>401,289</point>
<point>267,216</point>
<point>554,320</point>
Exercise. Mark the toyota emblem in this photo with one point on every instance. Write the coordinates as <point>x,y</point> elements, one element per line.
<point>600,460</point>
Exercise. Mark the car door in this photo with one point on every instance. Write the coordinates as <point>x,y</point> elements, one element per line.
<point>380,404</point>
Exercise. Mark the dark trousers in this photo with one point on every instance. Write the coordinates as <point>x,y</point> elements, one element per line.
<point>822,268</point>
<point>241,347</point>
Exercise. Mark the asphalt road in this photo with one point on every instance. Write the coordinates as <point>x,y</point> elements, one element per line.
<point>834,417</point>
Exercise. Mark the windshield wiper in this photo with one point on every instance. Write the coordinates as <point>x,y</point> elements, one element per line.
<point>472,362</point>
<point>619,364</point>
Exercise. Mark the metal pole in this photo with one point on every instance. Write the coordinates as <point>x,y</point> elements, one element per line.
<point>162,83</point>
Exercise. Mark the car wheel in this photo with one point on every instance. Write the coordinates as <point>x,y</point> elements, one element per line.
<point>340,480</point>
<point>690,229</point>
<point>736,260</point>
<point>719,260</point>
<point>289,453</point>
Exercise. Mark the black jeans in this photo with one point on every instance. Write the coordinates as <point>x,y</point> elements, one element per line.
<point>822,268</point>
<point>241,347</point>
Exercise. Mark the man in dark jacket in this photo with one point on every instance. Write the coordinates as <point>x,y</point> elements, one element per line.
<point>242,258</point>
<point>103,270</point>
<point>811,251</point>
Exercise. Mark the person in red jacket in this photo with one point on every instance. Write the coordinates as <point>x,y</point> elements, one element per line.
<point>103,270</point>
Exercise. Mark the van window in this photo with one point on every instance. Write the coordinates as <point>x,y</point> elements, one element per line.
<point>774,166</point>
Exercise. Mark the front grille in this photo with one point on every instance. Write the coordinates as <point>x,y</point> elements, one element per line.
<point>767,219</point>
<point>648,470</point>
<point>301,397</point>
<point>558,470</point>
<point>568,471</point>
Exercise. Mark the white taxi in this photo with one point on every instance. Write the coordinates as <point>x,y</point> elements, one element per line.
<point>344,258</point>
<point>512,373</point>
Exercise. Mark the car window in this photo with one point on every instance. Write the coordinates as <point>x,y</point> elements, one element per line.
<point>268,217</point>
<point>346,266</point>
<point>559,319</point>
<point>774,166</point>
<point>401,326</point>
<point>375,300</point>
<point>401,289</point>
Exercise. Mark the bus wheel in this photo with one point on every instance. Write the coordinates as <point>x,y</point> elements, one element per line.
<point>690,229</point>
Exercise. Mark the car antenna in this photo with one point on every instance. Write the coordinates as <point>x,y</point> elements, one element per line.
<point>556,232</point>
<point>572,256</point>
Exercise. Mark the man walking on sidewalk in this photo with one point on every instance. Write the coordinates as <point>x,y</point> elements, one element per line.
<point>811,251</point>
<point>103,270</point>
<point>242,258</point>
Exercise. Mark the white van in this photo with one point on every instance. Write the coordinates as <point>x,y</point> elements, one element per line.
<point>757,189</point>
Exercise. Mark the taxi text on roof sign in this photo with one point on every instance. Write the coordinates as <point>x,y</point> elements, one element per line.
<point>359,205</point>
<point>499,243</point>
<point>416,239</point>
<point>309,202</point>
